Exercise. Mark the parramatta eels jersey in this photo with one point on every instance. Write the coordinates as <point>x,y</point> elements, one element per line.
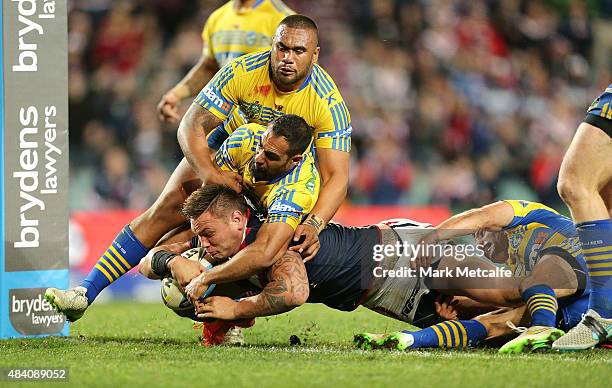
<point>288,198</point>
<point>599,113</point>
<point>229,34</point>
<point>245,83</point>
<point>534,228</point>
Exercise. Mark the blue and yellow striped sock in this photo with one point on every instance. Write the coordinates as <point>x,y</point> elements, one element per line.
<point>449,334</point>
<point>542,305</point>
<point>596,240</point>
<point>124,253</point>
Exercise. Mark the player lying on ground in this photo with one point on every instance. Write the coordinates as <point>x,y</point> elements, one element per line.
<point>541,248</point>
<point>277,169</point>
<point>585,184</point>
<point>342,273</point>
<point>265,85</point>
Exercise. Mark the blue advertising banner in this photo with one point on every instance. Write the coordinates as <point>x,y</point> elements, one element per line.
<point>33,165</point>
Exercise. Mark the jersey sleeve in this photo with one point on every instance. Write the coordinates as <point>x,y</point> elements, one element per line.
<point>599,113</point>
<point>289,205</point>
<point>230,155</point>
<point>526,212</point>
<point>334,128</point>
<point>220,94</point>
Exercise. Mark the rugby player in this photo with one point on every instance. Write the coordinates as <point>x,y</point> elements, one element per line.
<point>284,80</point>
<point>341,275</point>
<point>277,170</point>
<point>264,85</point>
<point>585,184</point>
<point>239,27</point>
<point>541,248</point>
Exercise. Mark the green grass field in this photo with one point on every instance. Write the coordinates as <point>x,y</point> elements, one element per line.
<point>145,344</point>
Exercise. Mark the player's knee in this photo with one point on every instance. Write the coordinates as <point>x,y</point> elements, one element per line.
<point>571,189</point>
<point>606,194</point>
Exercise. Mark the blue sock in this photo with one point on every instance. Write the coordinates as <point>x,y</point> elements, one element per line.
<point>449,334</point>
<point>542,305</point>
<point>596,240</point>
<point>122,255</point>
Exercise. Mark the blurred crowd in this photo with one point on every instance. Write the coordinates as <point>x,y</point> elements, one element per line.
<point>453,102</point>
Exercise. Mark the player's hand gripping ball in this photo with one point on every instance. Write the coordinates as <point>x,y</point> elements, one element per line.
<point>174,297</point>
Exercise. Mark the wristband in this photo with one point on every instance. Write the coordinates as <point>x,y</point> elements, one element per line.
<point>159,263</point>
<point>316,222</point>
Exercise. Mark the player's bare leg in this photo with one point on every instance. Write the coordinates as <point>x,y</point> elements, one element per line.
<point>164,215</point>
<point>552,278</point>
<point>447,334</point>
<point>496,322</point>
<point>606,195</point>
<point>585,173</point>
<point>132,243</point>
<point>584,185</point>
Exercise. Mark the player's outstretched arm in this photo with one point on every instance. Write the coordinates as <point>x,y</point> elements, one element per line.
<point>287,288</point>
<point>492,217</point>
<point>173,251</point>
<point>192,83</point>
<point>269,246</point>
<point>191,135</point>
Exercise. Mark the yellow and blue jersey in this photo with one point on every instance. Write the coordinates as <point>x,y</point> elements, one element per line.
<point>288,198</point>
<point>535,227</point>
<point>229,34</point>
<point>599,113</point>
<point>245,83</point>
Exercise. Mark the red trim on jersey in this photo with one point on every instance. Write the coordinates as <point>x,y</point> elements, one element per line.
<point>243,244</point>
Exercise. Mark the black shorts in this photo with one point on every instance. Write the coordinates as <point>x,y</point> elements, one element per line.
<point>599,122</point>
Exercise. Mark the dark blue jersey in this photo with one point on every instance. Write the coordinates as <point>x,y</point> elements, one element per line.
<point>342,269</point>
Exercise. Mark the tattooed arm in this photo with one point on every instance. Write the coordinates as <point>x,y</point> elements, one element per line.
<point>287,288</point>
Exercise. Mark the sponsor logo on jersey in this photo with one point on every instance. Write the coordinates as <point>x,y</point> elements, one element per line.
<point>283,207</point>
<point>216,100</point>
<point>516,238</point>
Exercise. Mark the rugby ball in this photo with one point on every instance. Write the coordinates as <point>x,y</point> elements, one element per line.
<point>172,296</point>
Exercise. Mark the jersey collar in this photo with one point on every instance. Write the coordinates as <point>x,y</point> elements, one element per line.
<point>240,10</point>
<point>306,81</point>
<point>278,178</point>
<point>285,174</point>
